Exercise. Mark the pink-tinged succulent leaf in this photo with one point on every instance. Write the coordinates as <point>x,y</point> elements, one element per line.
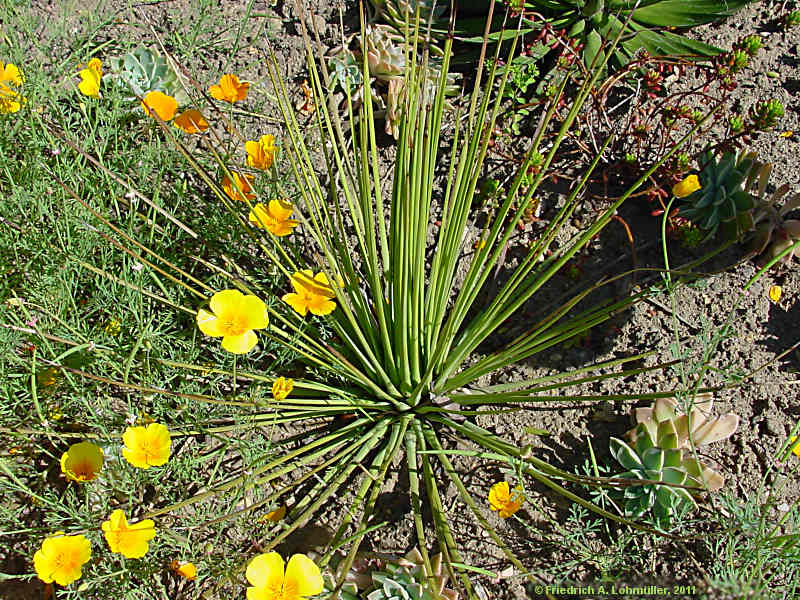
<point>664,409</point>
<point>763,179</point>
<point>682,427</point>
<point>713,480</point>
<point>790,205</point>
<point>761,239</point>
<point>643,414</point>
<point>716,429</point>
<point>704,402</point>
<point>792,229</point>
<point>780,193</point>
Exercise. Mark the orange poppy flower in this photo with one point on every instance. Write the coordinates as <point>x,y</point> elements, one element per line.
<point>191,121</point>
<point>184,569</point>
<point>158,103</point>
<point>229,89</point>
<point>274,217</point>
<point>261,154</point>
<point>242,189</point>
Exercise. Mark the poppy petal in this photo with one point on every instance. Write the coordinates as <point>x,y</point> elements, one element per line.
<point>266,571</point>
<point>303,576</point>
<point>240,344</point>
<point>208,323</point>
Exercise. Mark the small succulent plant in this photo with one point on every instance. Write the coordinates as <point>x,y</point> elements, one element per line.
<point>406,580</point>
<point>395,11</point>
<point>773,232</point>
<point>386,56</point>
<point>765,115</point>
<point>659,451</point>
<point>346,72</point>
<point>385,50</point>
<point>396,579</point>
<point>144,70</point>
<point>722,202</point>
<point>698,427</point>
<point>664,469</point>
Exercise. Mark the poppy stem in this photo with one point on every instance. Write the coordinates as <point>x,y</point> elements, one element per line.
<point>234,375</point>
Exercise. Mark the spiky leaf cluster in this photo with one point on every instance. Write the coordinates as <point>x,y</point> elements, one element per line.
<point>395,11</point>
<point>643,26</point>
<point>723,201</point>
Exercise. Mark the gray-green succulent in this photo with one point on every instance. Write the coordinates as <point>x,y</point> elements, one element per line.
<point>661,451</point>
<point>395,579</point>
<point>144,70</point>
<point>723,202</point>
<point>395,11</point>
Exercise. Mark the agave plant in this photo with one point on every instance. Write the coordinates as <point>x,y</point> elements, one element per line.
<point>661,451</point>
<point>393,362</point>
<point>641,24</point>
<point>592,21</point>
<point>774,233</point>
<point>723,202</point>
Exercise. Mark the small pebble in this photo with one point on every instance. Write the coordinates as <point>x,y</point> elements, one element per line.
<point>774,426</point>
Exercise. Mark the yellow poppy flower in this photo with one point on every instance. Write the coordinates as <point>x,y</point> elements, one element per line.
<point>82,462</point>
<point>129,540</point>
<point>282,388</point>
<point>229,89</point>
<point>241,188</point>
<point>10,98</point>
<point>191,121</point>
<point>274,217</point>
<point>266,574</point>
<point>146,447</point>
<point>775,293</point>
<point>158,103</point>
<point>312,293</point>
<point>233,317</point>
<point>505,500</point>
<point>12,74</point>
<point>796,448</point>
<point>686,187</point>
<point>261,154</point>
<point>61,557</point>
<point>184,569</point>
<point>90,79</point>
